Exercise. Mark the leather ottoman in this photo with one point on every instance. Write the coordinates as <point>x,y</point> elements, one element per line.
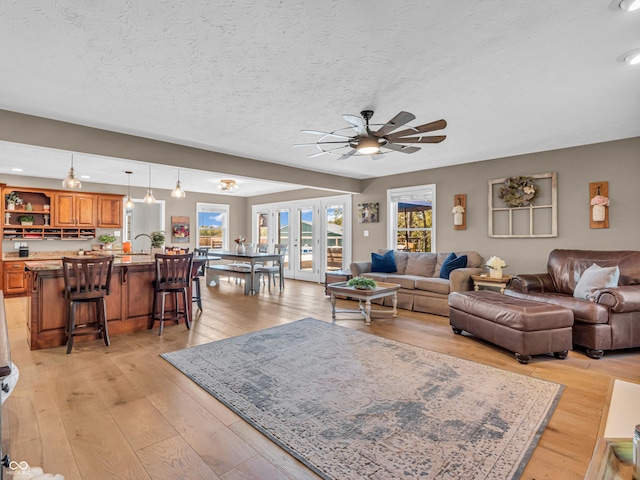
<point>521,326</point>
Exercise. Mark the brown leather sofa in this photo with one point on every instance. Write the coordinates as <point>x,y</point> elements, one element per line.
<point>612,320</point>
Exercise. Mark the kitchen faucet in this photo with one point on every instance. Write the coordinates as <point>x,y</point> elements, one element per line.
<point>144,235</point>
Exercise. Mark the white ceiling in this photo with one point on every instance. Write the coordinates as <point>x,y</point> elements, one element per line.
<point>244,77</point>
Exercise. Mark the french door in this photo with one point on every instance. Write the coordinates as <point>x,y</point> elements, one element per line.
<point>317,233</point>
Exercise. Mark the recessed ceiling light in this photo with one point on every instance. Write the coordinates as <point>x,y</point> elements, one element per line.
<point>17,169</point>
<point>85,176</point>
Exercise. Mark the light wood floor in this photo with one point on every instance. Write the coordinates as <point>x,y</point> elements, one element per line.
<point>124,412</point>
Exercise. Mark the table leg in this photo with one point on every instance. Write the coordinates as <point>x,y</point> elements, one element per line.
<point>333,306</point>
<point>367,312</point>
<point>253,267</point>
<point>394,300</point>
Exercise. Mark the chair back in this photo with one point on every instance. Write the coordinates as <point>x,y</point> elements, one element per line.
<point>249,247</point>
<point>87,278</point>
<point>263,248</point>
<point>184,250</point>
<point>173,271</point>
<point>201,251</point>
<point>280,248</point>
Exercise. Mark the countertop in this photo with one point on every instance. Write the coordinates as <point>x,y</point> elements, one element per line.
<point>56,264</point>
<point>13,256</point>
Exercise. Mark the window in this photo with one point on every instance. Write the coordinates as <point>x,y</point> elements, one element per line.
<point>213,225</point>
<point>412,218</point>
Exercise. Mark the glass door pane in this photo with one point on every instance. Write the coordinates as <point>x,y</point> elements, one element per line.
<point>305,234</point>
<point>282,237</point>
<point>334,218</point>
<point>263,228</point>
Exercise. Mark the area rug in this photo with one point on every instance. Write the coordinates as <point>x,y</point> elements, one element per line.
<point>351,405</point>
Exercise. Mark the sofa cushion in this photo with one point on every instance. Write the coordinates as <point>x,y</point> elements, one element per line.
<point>583,311</point>
<point>385,263</point>
<point>423,264</point>
<point>474,259</point>
<point>433,284</point>
<point>595,278</point>
<point>408,282</point>
<point>451,264</point>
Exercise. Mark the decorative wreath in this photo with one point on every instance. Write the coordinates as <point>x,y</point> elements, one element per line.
<point>518,192</point>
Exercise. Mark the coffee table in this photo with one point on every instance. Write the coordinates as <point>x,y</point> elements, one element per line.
<point>382,290</point>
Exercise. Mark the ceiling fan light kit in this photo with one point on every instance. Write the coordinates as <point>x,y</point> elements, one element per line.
<point>366,141</point>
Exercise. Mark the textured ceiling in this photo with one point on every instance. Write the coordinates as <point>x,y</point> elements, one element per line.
<point>244,77</point>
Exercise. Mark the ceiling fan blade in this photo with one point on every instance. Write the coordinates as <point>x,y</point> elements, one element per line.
<point>325,151</point>
<point>401,148</point>
<point>317,143</point>
<point>356,122</point>
<point>427,127</point>
<point>317,132</point>
<point>433,139</point>
<point>400,119</point>
<point>347,155</point>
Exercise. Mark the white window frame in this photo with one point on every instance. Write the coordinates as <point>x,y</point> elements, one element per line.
<point>215,207</point>
<point>414,193</point>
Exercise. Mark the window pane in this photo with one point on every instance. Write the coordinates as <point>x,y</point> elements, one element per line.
<point>263,231</point>
<point>212,225</point>
<point>413,222</point>
<point>335,217</point>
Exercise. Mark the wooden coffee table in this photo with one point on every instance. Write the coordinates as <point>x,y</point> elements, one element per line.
<point>382,290</point>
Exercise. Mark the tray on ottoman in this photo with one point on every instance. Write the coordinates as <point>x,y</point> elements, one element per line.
<point>521,326</point>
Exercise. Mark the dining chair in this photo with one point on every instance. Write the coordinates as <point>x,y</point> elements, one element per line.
<point>87,280</point>
<point>270,271</point>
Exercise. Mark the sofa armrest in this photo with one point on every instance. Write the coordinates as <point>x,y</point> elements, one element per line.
<point>621,299</point>
<point>460,279</point>
<point>358,268</point>
<point>532,283</point>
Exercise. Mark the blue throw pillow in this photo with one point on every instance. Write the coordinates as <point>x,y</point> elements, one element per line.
<point>383,263</point>
<point>451,263</point>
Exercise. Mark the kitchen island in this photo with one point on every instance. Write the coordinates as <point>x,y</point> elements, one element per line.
<point>129,305</point>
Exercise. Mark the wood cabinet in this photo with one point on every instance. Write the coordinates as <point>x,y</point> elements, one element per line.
<point>74,209</point>
<point>15,278</point>
<point>109,211</point>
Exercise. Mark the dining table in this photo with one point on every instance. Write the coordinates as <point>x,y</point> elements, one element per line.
<point>253,259</point>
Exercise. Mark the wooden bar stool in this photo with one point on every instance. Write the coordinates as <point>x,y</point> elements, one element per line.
<point>87,280</point>
<point>197,271</point>
<point>173,275</point>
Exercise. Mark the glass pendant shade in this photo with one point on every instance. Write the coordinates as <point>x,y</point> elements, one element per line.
<point>178,192</point>
<point>128,203</point>
<point>71,181</point>
<point>149,198</point>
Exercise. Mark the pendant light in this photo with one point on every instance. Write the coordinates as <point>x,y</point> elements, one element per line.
<point>71,181</point>
<point>149,198</point>
<point>128,202</point>
<point>178,192</point>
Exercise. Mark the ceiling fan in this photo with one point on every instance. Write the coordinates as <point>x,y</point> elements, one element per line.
<point>365,141</point>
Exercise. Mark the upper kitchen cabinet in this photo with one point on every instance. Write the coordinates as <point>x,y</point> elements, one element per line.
<point>74,209</point>
<point>109,211</point>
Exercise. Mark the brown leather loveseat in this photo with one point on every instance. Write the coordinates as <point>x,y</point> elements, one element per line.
<point>611,318</point>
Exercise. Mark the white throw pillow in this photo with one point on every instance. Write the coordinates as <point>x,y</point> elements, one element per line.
<point>594,278</point>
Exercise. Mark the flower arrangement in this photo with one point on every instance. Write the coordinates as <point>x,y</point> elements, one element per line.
<point>496,263</point>
<point>14,198</point>
<point>458,209</point>
<point>362,283</point>
<point>518,192</point>
<point>600,200</point>
<point>240,240</point>
<point>181,231</point>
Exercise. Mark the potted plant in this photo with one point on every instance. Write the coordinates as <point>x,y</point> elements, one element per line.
<point>362,283</point>
<point>26,220</point>
<point>107,240</point>
<point>157,239</point>
<point>12,200</point>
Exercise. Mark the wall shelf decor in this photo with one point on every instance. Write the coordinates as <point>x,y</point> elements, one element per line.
<point>599,200</point>
<point>459,214</point>
<point>537,218</point>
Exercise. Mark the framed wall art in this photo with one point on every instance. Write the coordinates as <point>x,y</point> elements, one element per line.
<point>180,229</point>
<point>524,206</point>
<point>368,212</point>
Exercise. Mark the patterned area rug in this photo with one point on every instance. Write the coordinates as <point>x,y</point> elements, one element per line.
<point>351,405</point>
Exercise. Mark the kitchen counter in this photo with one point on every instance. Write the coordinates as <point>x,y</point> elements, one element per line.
<point>11,256</point>
<point>129,305</point>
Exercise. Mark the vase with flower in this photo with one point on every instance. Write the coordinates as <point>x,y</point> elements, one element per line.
<point>240,241</point>
<point>495,265</point>
<point>12,200</point>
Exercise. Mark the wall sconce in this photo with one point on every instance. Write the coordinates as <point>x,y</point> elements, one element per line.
<point>460,211</point>
<point>599,195</point>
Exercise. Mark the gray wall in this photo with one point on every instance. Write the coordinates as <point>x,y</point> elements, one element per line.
<point>615,162</point>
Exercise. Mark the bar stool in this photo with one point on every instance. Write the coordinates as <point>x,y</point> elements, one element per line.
<point>197,271</point>
<point>173,275</point>
<point>87,280</point>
